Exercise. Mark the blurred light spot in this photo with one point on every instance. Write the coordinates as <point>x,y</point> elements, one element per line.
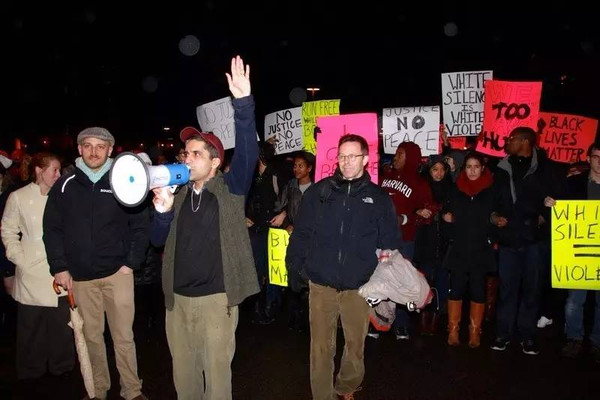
<point>189,45</point>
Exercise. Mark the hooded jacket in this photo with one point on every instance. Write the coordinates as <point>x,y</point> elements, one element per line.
<point>339,227</point>
<point>408,190</point>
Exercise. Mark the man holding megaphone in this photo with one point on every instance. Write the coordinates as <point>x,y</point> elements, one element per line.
<point>208,267</point>
<point>93,244</point>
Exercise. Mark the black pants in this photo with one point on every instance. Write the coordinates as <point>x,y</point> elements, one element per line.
<point>44,340</point>
<point>458,285</point>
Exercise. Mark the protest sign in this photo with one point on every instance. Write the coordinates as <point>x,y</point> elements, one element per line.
<point>286,128</point>
<point>565,137</point>
<point>462,101</point>
<point>508,105</point>
<point>576,244</point>
<point>411,124</point>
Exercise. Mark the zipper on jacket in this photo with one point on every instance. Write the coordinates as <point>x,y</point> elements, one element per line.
<point>342,231</point>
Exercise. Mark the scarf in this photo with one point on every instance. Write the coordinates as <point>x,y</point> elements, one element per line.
<point>471,188</point>
<point>94,176</point>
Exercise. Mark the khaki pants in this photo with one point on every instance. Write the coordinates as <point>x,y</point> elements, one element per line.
<point>201,336</point>
<point>326,305</point>
<point>112,295</point>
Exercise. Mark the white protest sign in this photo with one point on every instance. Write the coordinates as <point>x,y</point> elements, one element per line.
<point>462,99</point>
<point>412,124</point>
<point>217,117</point>
<point>286,127</point>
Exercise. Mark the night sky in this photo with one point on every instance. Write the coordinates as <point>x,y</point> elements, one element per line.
<point>121,66</point>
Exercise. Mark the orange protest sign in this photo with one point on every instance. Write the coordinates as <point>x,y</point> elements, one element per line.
<point>566,137</point>
<point>508,105</point>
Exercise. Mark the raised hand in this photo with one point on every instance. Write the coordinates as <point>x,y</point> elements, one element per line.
<point>239,79</point>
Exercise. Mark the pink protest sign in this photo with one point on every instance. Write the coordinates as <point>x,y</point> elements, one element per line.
<point>332,128</point>
<point>565,137</point>
<point>508,105</point>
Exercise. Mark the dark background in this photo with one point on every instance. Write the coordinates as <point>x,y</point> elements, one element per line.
<point>69,66</point>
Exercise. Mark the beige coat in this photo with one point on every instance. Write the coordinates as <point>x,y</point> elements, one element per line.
<point>23,214</point>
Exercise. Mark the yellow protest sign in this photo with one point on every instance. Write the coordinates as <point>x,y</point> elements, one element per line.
<point>576,244</point>
<point>277,246</point>
<point>310,111</point>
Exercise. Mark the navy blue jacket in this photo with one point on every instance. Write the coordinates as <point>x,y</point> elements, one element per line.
<point>350,220</point>
<point>88,233</point>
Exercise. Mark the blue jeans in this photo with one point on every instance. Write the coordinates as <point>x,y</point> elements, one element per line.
<point>520,273</point>
<point>574,316</point>
<point>407,249</point>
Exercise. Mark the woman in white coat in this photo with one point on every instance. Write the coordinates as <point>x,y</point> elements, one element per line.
<point>44,341</point>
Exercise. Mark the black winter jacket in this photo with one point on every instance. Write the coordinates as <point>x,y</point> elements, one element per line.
<point>88,233</point>
<point>340,225</point>
<point>522,203</point>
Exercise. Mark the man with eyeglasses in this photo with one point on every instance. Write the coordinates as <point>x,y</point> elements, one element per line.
<point>208,267</point>
<point>93,245</point>
<point>341,222</point>
<point>584,186</point>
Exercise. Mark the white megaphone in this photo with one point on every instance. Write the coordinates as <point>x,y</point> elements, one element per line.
<point>131,179</point>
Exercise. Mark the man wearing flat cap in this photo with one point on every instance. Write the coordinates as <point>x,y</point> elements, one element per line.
<point>93,245</point>
<point>208,267</point>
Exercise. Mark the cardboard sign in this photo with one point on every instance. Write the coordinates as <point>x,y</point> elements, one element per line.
<point>462,101</point>
<point>310,111</point>
<point>332,128</point>
<point>565,137</point>
<point>508,105</point>
<point>576,244</point>
<point>412,124</point>
<point>278,241</point>
<point>286,127</point>
<point>217,117</point>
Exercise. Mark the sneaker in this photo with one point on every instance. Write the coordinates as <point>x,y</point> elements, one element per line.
<point>500,344</point>
<point>572,348</point>
<point>530,347</point>
<point>372,332</point>
<point>402,333</point>
<point>544,322</point>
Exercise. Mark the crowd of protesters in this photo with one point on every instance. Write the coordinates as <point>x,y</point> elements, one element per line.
<point>478,228</point>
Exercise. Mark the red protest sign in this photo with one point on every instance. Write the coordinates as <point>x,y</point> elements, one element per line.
<point>566,137</point>
<point>332,128</point>
<point>508,105</point>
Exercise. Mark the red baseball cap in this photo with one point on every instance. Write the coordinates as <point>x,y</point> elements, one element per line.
<point>209,137</point>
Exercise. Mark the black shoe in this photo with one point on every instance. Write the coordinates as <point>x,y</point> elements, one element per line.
<point>402,333</point>
<point>500,344</point>
<point>372,332</point>
<point>572,349</point>
<point>530,347</point>
<point>595,353</point>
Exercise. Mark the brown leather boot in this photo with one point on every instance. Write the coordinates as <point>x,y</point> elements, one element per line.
<point>491,295</point>
<point>454,311</point>
<point>476,317</point>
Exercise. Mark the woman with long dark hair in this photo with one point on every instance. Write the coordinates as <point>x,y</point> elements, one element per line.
<point>470,254</point>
